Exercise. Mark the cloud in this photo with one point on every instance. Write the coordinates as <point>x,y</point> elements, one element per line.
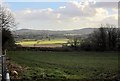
<point>113,19</point>
<point>105,5</point>
<point>115,10</point>
<point>107,0</point>
<point>62,7</point>
<point>101,11</point>
<point>73,15</point>
<point>38,14</point>
<point>73,9</point>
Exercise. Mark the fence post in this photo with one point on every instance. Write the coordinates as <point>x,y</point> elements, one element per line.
<point>5,74</point>
<point>3,68</point>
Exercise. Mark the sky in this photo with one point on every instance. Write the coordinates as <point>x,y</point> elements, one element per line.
<point>67,15</point>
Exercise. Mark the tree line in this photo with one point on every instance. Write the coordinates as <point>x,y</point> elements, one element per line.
<point>105,38</point>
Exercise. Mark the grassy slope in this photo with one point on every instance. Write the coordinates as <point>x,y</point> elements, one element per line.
<point>72,65</point>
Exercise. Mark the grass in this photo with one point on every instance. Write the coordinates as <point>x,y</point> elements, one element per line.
<point>67,65</point>
<point>52,41</point>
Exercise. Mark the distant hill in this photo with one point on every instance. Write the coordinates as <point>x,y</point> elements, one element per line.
<point>30,33</point>
<point>50,32</point>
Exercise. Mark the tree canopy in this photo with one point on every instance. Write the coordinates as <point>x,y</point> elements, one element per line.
<point>107,37</point>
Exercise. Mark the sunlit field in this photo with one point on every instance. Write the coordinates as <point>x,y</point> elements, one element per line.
<point>66,65</point>
<point>40,42</point>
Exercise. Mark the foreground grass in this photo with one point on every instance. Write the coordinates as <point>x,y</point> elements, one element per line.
<point>66,65</point>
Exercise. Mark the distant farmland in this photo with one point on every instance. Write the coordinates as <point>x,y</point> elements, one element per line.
<point>42,43</point>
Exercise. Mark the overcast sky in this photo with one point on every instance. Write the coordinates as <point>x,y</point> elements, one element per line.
<point>63,15</point>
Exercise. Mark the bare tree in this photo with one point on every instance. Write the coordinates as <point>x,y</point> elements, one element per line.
<point>105,38</point>
<point>75,42</point>
<point>111,37</point>
<point>6,18</point>
<point>7,22</point>
<point>118,39</point>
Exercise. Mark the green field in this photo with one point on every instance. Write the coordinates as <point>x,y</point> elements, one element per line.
<point>45,41</point>
<point>66,65</point>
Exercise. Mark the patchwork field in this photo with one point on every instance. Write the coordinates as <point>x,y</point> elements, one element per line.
<point>43,43</point>
<point>66,65</point>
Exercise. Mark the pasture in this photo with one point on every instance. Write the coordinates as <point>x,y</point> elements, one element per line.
<point>66,65</point>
